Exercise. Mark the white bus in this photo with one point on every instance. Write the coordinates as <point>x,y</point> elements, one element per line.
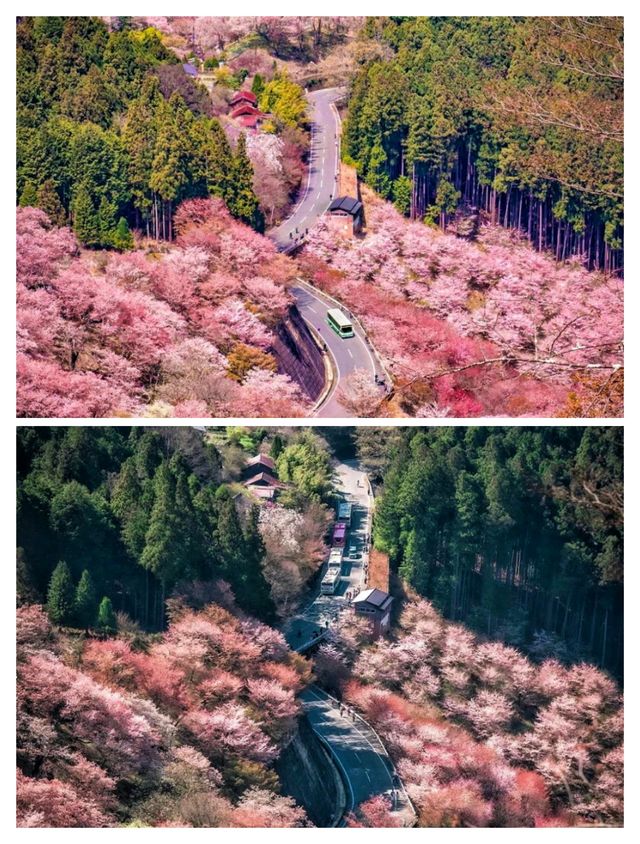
<point>344,512</point>
<point>339,322</point>
<point>335,558</point>
<point>330,582</point>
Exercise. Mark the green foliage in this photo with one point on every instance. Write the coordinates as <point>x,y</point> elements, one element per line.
<point>85,601</point>
<point>402,194</point>
<point>285,100</point>
<point>305,464</point>
<point>29,196</point>
<point>481,520</point>
<point>122,237</point>
<point>106,621</point>
<point>48,200</point>
<point>135,513</point>
<point>60,595</point>
<point>243,202</point>
<point>277,447</point>
<point>110,128</point>
<point>85,220</point>
<point>257,86</point>
<point>494,111</point>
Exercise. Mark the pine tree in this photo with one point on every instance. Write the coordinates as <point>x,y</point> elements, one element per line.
<point>106,222</point>
<point>377,174</point>
<point>49,201</point>
<point>122,238</point>
<point>61,595</point>
<point>256,594</point>
<point>85,219</point>
<point>402,195</point>
<point>257,86</point>
<point>85,601</point>
<point>29,196</point>
<point>277,447</point>
<point>106,621</point>
<point>243,203</point>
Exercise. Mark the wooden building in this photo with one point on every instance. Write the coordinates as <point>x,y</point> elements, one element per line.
<point>345,216</point>
<point>375,605</point>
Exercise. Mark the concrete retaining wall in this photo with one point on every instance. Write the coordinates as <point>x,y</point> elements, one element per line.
<point>297,354</point>
<point>308,774</point>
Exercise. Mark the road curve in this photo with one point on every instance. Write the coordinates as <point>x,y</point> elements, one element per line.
<point>365,767</point>
<point>352,353</point>
<point>347,354</point>
<point>322,175</point>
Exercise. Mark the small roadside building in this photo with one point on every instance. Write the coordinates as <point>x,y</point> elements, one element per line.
<point>244,109</point>
<point>345,216</point>
<point>375,605</point>
<point>260,477</point>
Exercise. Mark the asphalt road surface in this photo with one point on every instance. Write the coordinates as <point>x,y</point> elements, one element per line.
<point>323,611</point>
<point>352,353</point>
<point>348,354</point>
<point>321,184</point>
<point>362,758</point>
<point>365,767</point>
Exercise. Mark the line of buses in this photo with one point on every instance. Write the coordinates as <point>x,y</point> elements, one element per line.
<point>331,580</point>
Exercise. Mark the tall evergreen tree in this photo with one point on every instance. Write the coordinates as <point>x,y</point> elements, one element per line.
<point>106,621</point>
<point>243,202</point>
<point>85,219</point>
<point>61,595</point>
<point>48,200</point>
<point>85,601</point>
<point>29,196</point>
<point>256,595</point>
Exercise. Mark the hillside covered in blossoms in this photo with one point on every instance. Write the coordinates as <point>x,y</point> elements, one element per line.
<point>184,331</point>
<point>485,328</point>
<point>166,166</point>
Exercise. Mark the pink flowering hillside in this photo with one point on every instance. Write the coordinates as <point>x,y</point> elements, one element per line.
<point>470,329</point>
<point>183,332</point>
<point>480,735</point>
<point>176,730</point>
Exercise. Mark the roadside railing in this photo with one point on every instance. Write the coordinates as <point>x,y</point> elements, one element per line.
<point>365,337</point>
<point>377,744</point>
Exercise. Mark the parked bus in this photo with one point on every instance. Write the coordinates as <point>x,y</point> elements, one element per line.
<point>344,513</point>
<point>339,534</point>
<point>335,558</point>
<point>339,322</point>
<point>330,582</point>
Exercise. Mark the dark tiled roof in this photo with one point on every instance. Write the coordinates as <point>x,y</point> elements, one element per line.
<point>262,458</point>
<point>262,476</point>
<point>375,597</point>
<point>346,203</point>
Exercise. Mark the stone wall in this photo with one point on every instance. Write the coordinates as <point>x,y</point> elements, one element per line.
<point>308,774</point>
<point>297,354</point>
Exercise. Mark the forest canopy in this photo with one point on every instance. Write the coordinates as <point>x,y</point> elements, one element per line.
<point>110,137</point>
<point>516,532</point>
<point>522,117</point>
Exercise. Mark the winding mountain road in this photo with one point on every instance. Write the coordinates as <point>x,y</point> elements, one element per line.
<point>356,749</point>
<point>349,354</point>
